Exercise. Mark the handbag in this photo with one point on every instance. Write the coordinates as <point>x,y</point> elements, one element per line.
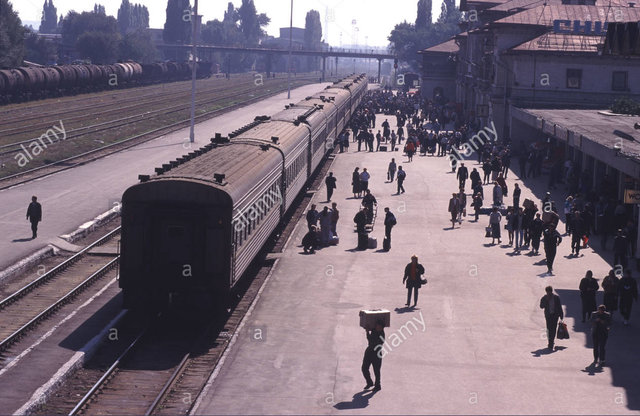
<point>487,232</point>
<point>423,281</point>
<point>563,332</point>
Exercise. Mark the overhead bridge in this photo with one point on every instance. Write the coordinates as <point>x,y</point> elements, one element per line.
<point>204,50</point>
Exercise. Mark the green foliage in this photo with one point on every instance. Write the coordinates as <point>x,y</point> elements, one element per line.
<point>49,22</point>
<point>37,49</point>
<point>99,9</point>
<point>100,47</point>
<point>423,20</point>
<point>625,106</point>
<point>312,30</point>
<point>406,40</point>
<point>139,47</point>
<point>177,28</point>
<point>132,17</point>
<point>11,36</point>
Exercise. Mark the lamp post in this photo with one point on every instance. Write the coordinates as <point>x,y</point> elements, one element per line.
<point>194,51</point>
<point>290,47</point>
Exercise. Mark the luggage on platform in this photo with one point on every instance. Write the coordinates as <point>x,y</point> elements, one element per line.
<point>372,243</point>
<point>368,318</point>
<point>386,244</point>
<point>383,148</point>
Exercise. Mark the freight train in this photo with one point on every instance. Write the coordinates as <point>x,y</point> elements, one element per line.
<point>26,83</point>
<point>191,231</point>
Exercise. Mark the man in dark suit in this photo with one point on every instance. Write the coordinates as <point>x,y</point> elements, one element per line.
<point>330,182</point>
<point>552,240</point>
<point>34,215</point>
<point>552,311</point>
<point>389,222</point>
<point>312,217</point>
<point>462,175</point>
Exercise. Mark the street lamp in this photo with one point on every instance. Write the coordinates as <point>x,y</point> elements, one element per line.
<point>290,47</point>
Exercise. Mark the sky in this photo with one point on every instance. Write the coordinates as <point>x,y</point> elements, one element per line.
<point>374,21</point>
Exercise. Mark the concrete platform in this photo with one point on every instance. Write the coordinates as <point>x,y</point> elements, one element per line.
<point>74,196</point>
<point>477,343</point>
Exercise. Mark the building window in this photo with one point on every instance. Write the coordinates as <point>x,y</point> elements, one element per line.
<point>574,78</point>
<point>619,81</point>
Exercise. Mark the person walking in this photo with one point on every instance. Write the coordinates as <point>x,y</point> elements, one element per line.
<point>410,149</point>
<point>610,287</point>
<point>335,216</point>
<point>494,222</point>
<point>355,183</point>
<point>454,207</point>
<point>535,231</point>
<point>364,180</point>
<point>516,196</point>
<point>312,217</point>
<point>330,182</point>
<point>497,195</point>
<point>577,232</point>
<point>552,306</point>
<point>401,177</point>
<point>391,170</point>
<point>588,289</point>
<point>373,355</point>
<point>462,175</point>
<point>552,240</point>
<point>34,215</point>
<point>477,204</point>
<point>368,201</point>
<point>620,248</point>
<point>462,209</point>
<point>486,169</point>
<point>518,228</point>
<point>628,292</point>
<point>601,323</point>
<point>394,138</point>
<point>413,279</point>
<point>389,222</point>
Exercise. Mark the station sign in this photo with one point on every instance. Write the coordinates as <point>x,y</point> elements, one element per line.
<point>576,27</point>
<point>631,196</point>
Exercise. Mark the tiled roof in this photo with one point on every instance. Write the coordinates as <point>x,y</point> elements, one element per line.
<point>448,46</point>
<point>545,15</point>
<point>530,4</point>
<point>561,42</point>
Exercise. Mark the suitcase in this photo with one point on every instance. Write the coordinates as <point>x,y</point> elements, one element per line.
<point>372,243</point>
<point>528,203</point>
<point>386,244</point>
<point>383,148</point>
<point>369,317</point>
<point>363,241</point>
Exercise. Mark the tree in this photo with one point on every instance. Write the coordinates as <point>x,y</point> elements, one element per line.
<point>177,28</point>
<point>100,47</point>
<point>99,9</point>
<point>139,47</point>
<point>49,21</point>
<point>423,20</point>
<point>132,17</point>
<point>97,30</point>
<point>213,33</point>
<point>251,23</point>
<point>11,36</point>
<point>312,37</point>
<point>38,49</point>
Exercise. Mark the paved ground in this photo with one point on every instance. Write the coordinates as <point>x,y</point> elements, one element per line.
<point>72,197</point>
<point>481,349</point>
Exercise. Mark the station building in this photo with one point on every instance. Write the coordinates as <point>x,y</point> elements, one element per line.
<point>542,71</point>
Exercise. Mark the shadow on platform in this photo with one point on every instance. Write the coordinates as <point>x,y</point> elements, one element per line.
<point>360,401</point>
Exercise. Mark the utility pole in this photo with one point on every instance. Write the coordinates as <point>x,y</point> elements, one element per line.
<point>194,51</point>
<point>290,48</point>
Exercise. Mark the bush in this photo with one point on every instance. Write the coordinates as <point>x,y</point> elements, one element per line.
<point>625,106</point>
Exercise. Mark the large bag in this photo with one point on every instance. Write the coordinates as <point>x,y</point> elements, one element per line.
<point>487,232</point>
<point>372,243</point>
<point>368,318</point>
<point>563,332</point>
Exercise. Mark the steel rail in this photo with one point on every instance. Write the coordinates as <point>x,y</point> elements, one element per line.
<point>88,281</point>
<point>53,272</point>
<point>174,376</point>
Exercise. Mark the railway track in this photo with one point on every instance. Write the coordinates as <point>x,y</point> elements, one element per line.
<point>30,305</point>
<point>89,110</point>
<point>91,155</point>
<point>213,98</point>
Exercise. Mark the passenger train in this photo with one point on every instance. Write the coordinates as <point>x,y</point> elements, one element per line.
<point>192,230</point>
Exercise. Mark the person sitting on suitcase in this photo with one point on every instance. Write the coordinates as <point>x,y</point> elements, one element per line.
<point>310,241</point>
<point>389,222</point>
